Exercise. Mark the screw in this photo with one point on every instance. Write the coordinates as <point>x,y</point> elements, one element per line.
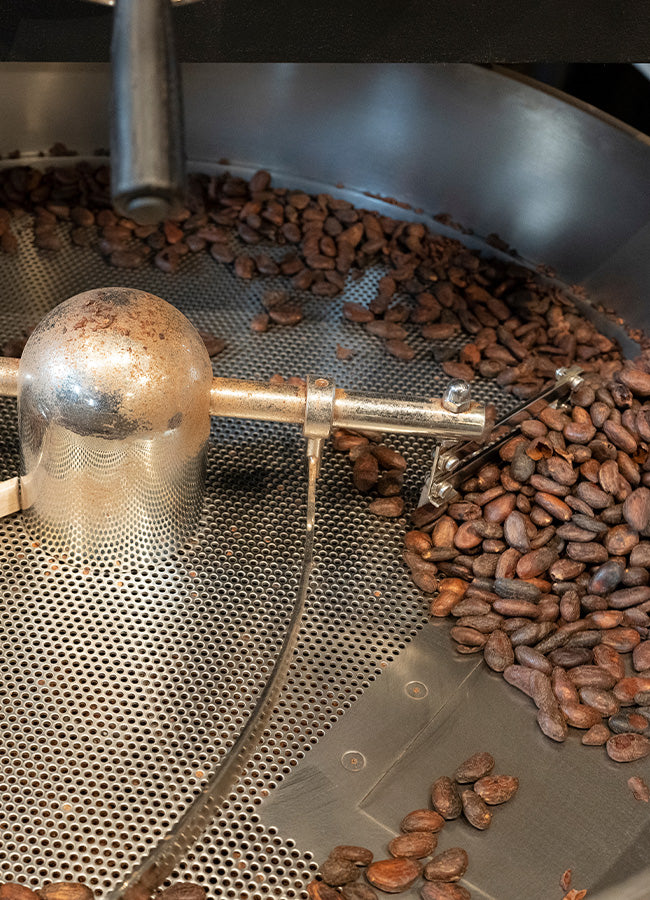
<point>416,690</point>
<point>353,761</point>
<point>456,397</point>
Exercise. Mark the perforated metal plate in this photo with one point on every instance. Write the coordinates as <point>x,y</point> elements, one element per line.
<point>121,690</point>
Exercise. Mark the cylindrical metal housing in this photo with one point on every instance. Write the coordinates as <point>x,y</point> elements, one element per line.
<point>113,409</point>
<point>146,126</point>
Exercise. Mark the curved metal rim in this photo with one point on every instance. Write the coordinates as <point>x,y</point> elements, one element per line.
<point>581,105</point>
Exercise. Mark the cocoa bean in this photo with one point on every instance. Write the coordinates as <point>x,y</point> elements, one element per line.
<point>563,688</point>
<point>358,891</point>
<point>596,736</point>
<point>14,891</point>
<point>621,639</point>
<point>590,552</point>
<point>628,722</point>
<point>446,798</point>
<point>422,820</point>
<point>628,747</point>
<point>627,597</point>
<point>498,653</point>
<point>591,676</point>
<point>515,607</point>
<point>580,716</point>
<point>603,701</point>
<point>475,810</point>
<point>414,845</point>
<point>73,890</point>
<point>606,577</point>
<point>620,540</point>
<point>448,866</point>
<point>528,656</point>
<point>641,656</point>
<point>337,870</point>
<point>393,875</point>
<point>636,509</point>
<point>365,472</point>
<point>536,562</point>
<point>609,660</point>
<point>390,507</point>
<point>553,724</point>
<point>626,689</point>
<point>495,789</point>
<point>474,767</point>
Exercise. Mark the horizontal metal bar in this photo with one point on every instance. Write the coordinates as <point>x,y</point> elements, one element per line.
<point>243,399</point>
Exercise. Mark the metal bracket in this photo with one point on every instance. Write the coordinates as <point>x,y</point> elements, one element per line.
<point>319,414</point>
<point>455,461</point>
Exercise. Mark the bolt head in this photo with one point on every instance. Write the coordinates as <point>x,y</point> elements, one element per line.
<point>457,396</point>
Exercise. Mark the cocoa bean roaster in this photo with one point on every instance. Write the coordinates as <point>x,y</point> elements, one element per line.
<point>125,685</point>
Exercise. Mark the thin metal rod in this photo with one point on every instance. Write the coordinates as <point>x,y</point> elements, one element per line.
<point>169,852</point>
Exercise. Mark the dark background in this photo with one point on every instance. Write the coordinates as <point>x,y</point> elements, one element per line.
<point>600,39</point>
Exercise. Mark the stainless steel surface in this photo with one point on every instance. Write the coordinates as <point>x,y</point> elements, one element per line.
<point>113,418</point>
<point>174,847</point>
<point>147,181</point>
<point>562,183</point>
<point>409,737</point>
<point>122,690</point>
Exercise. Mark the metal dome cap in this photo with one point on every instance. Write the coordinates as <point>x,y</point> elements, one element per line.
<point>113,412</point>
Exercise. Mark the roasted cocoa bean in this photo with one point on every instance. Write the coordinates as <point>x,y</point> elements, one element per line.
<point>475,810</point>
<point>497,652</point>
<point>414,845</point>
<point>552,723</point>
<point>445,798</point>
<point>422,820</point>
<point>360,856</point>
<point>448,866</point>
<point>628,747</point>
<point>495,789</point>
<point>393,875</point>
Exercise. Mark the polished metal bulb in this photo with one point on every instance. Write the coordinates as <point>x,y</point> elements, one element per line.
<point>114,420</point>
